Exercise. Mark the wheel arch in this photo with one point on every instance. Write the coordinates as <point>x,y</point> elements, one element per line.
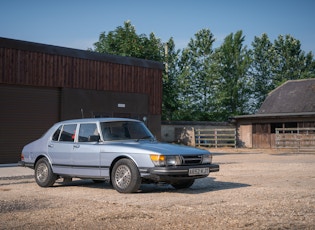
<point>119,158</point>
<point>40,157</point>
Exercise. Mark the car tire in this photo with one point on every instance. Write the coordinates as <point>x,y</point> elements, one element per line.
<point>125,176</point>
<point>183,184</point>
<point>44,175</point>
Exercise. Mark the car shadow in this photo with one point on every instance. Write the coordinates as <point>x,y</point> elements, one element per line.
<point>208,184</point>
<point>204,185</point>
<point>84,183</point>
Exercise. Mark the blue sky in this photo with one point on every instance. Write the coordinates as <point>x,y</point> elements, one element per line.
<point>77,23</point>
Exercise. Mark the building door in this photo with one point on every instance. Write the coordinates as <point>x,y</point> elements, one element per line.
<point>261,136</point>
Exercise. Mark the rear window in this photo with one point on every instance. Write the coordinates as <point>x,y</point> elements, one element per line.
<point>65,133</point>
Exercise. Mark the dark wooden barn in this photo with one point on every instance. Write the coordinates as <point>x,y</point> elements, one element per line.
<point>290,110</point>
<point>43,84</point>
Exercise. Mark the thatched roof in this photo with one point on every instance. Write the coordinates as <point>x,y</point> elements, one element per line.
<point>297,96</point>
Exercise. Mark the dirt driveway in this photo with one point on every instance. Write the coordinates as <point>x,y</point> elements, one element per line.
<point>251,191</point>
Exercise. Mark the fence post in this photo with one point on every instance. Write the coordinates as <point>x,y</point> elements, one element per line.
<point>198,139</point>
<point>299,139</point>
<point>277,138</point>
<point>235,138</point>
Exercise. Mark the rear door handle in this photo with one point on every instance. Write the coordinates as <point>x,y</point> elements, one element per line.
<point>76,146</point>
<point>50,145</point>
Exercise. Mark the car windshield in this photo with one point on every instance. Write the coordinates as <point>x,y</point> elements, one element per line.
<point>125,130</point>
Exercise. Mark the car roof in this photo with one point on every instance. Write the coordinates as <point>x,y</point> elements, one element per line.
<point>107,119</point>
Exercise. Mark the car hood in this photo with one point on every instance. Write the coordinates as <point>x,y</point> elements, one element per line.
<point>152,147</point>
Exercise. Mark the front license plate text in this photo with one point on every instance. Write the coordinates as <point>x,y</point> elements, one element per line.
<point>198,171</point>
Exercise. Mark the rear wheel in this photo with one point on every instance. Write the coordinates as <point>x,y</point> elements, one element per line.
<point>125,176</point>
<point>183,184</point>
<point>44,175</point>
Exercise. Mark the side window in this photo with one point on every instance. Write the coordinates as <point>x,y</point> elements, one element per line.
<point>56,135</point>
<point>68,133</point>
<point>88,133</point>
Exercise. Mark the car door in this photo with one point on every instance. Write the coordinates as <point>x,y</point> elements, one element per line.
<point>86,151</point>
<point>60,149</point>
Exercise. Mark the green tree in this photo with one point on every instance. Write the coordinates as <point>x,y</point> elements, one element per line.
<point>233,86</point>
<point>195,79</point>
<point>170,102</point>
<point>125,41</point>
<point>292,63</point>
<point>262,70</point>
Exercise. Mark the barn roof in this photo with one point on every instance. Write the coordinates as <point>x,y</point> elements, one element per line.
<point>294,99</point>
<point>84,54</point>
<point>295,96</point>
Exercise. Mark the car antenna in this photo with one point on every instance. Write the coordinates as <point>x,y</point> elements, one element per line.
<point>82,114</point>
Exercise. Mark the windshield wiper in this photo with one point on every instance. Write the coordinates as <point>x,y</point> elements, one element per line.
<point>146,137</point>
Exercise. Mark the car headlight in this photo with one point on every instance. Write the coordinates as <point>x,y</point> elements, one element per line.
<point>163,160</point>
<point>207,159</point>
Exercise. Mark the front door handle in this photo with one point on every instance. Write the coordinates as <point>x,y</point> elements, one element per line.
<point>76,146</point>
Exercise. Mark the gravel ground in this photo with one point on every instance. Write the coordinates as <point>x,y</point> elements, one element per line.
<point>251,191</point>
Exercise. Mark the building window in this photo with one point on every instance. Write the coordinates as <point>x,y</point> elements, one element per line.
<point>274,126</point>
<point>290,125</point>
<point>287,125</point>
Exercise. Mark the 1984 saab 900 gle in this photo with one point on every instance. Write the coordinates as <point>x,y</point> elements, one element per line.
<point>120,150</point>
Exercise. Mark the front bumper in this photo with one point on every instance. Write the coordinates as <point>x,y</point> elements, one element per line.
<point>175,173</point>
<point>182,170</point>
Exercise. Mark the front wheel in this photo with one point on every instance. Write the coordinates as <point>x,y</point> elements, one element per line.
<point>125,176</point>
<point>183,184</point>
<point>44,175</point>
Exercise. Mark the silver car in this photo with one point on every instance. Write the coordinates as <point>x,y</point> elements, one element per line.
<point>120,150</point>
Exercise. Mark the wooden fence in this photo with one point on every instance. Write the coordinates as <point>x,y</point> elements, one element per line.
<point>225,137</point>
<point>302,139</point>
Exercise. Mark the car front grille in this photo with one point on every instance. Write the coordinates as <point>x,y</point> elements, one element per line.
<point>192,159</point>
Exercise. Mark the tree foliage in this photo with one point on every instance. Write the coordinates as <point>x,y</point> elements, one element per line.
<point>290,60</point>
<point>232,61</point>
<point>262,70</point>
<point>125,41</point>
<point>195,76</point>
<point>203,83</point>
<point>171,104</point>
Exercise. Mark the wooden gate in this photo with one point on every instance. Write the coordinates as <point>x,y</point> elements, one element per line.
<point>215,137</point>
<point>302,139</point>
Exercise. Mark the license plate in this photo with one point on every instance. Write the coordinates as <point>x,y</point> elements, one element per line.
<point>198,171</point>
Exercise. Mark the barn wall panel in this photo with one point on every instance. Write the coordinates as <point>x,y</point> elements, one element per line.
<point>40,69</point>
<point>26,113</point>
